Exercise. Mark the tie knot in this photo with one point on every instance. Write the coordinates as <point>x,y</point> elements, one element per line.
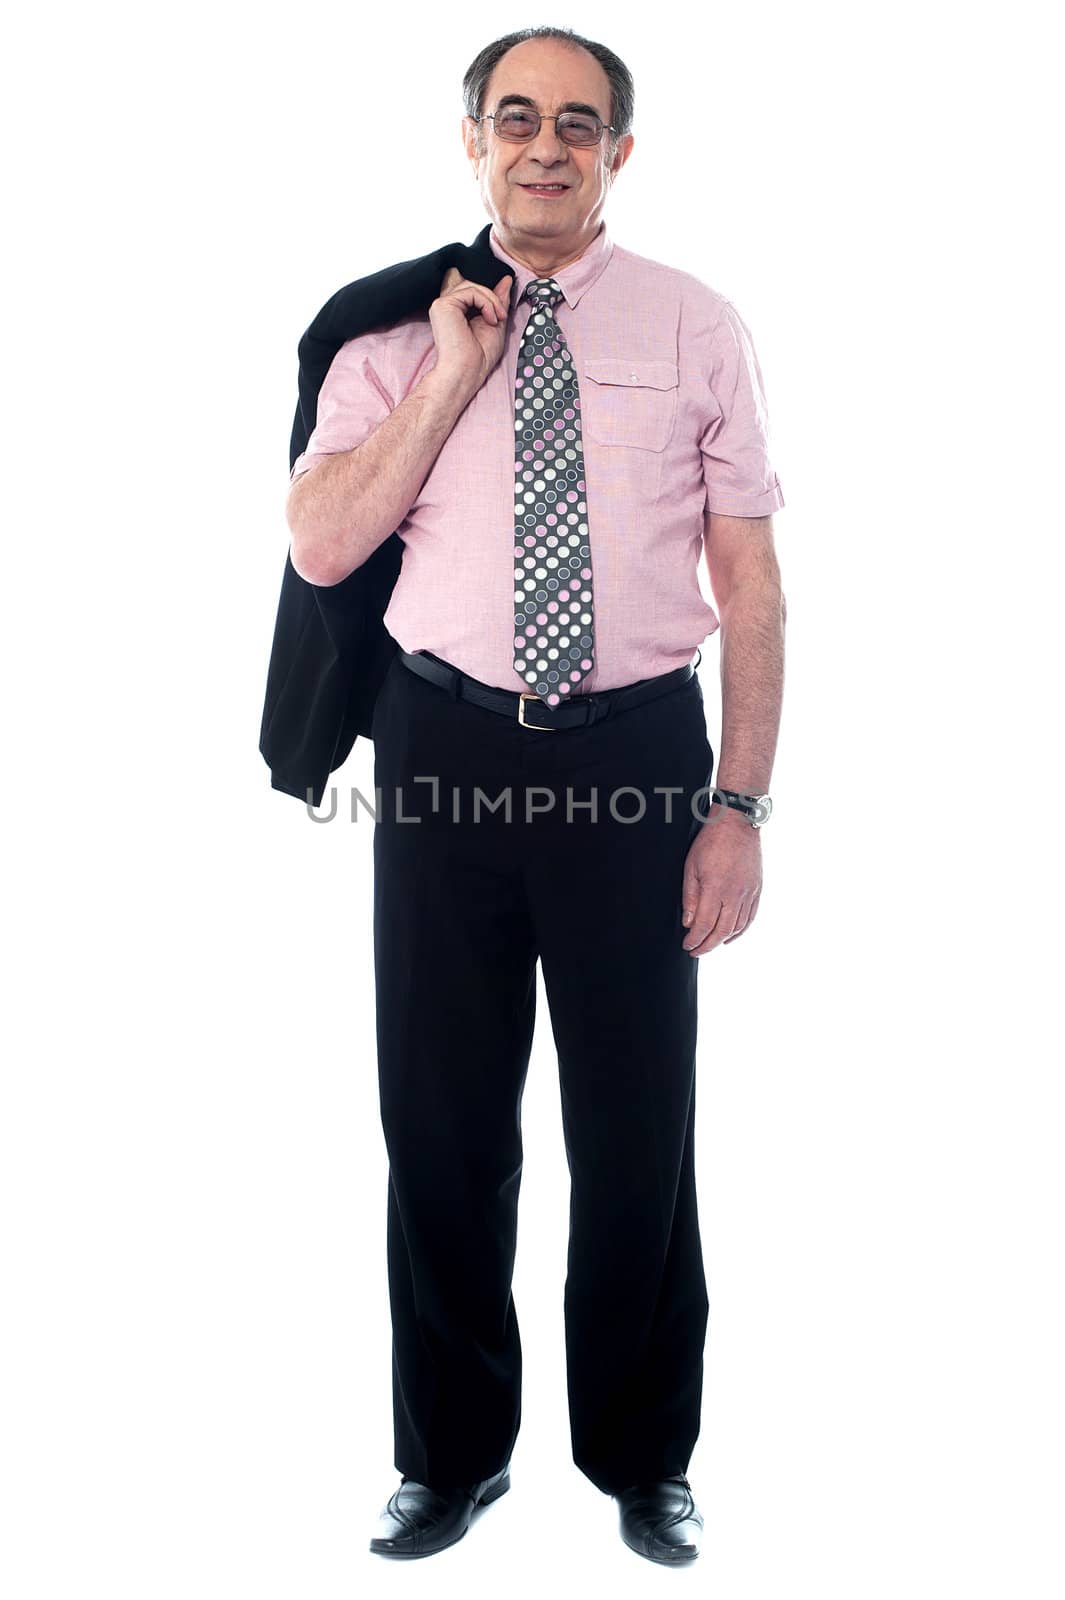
<point>543,291</point>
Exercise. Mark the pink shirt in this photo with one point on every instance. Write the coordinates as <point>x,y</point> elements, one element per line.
<point>673,422</point>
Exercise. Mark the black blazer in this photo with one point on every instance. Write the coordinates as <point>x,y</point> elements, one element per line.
<point>331,649</point>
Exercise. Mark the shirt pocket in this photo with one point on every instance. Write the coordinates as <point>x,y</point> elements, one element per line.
<point>629,401</point>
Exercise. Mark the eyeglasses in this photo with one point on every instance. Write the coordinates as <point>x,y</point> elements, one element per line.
<point>519,124</point>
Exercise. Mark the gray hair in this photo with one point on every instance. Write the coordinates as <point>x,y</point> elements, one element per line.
<point>622,92</point>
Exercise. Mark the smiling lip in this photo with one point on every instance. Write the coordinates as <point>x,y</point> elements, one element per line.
<point>545,188</point>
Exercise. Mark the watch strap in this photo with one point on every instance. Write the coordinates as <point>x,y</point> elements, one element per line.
<point>749,804</point>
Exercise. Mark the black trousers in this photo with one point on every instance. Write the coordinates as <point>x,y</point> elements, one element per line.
<point>463,908</point>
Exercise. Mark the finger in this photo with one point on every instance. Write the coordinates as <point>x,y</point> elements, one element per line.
<point>501,296</point>
<point>752,911</point>
<point>728,925</point>
<point>706,920</point>
<point>689,896</point>
<point>749,916</point>
<point>478,295</point>
<point>742,920</point>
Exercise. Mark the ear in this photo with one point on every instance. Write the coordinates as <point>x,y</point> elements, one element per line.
<point>622,153</point>
<point>469,139</point>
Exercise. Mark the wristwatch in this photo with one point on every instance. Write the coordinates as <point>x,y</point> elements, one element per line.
<point>757,808</point>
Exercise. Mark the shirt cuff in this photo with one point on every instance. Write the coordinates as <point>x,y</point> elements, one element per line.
<point>747,505</point>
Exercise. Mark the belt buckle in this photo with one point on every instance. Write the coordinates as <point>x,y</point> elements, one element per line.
<point>536,728</point>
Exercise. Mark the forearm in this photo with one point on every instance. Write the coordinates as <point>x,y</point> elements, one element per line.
<point>349,503</point>
<point>752,685</point>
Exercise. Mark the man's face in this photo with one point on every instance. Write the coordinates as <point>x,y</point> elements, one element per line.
<point>550,75</point>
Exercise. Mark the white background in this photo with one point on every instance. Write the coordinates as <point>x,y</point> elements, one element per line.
<point>196,1392</point>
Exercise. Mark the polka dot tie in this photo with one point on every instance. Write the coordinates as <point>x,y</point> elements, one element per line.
<point>554,644</point>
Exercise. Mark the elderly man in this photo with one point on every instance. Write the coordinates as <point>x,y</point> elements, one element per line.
<point>555,452</point>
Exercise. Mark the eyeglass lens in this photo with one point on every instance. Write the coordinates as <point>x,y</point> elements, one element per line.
<point>522,122</point>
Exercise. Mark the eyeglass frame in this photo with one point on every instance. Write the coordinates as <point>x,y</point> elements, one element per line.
<point>604,127</point>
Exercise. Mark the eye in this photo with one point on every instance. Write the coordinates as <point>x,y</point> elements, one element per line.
<point>578,128</point>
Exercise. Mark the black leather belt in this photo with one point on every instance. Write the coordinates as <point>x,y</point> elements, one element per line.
<point>579,712</point>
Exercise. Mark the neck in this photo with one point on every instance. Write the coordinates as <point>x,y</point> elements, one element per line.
<point>546,257</point>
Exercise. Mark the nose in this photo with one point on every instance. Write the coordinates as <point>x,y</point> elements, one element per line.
<point>547,147</point>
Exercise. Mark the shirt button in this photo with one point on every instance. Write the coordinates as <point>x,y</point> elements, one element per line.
<point>633,378</point>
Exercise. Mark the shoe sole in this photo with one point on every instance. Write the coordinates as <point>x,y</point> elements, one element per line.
<point>486,1499</point>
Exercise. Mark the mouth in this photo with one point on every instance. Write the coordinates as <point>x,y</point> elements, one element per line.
<point>545,189</point>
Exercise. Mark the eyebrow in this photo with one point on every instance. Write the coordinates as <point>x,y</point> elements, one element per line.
<point>570,105</point>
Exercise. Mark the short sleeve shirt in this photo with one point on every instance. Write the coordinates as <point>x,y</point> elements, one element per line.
<point>674,425</point>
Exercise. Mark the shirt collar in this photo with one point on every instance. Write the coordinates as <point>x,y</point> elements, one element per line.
<point>573,279</point>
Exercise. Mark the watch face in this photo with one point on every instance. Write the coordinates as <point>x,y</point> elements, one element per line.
<point>763,807</point>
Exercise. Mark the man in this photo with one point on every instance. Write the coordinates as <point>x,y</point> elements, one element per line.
<point>555,452</point>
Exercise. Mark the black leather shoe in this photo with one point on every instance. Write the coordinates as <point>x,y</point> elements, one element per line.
<point>660,1520</point>
<point>419,1521</point>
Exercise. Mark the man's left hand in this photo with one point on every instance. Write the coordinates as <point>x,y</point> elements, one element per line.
<point>722,881</point>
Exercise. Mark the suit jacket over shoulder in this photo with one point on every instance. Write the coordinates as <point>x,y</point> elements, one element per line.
<point>331,650</point>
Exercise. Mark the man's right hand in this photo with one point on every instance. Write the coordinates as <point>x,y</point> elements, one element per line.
<point>469,324</point>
